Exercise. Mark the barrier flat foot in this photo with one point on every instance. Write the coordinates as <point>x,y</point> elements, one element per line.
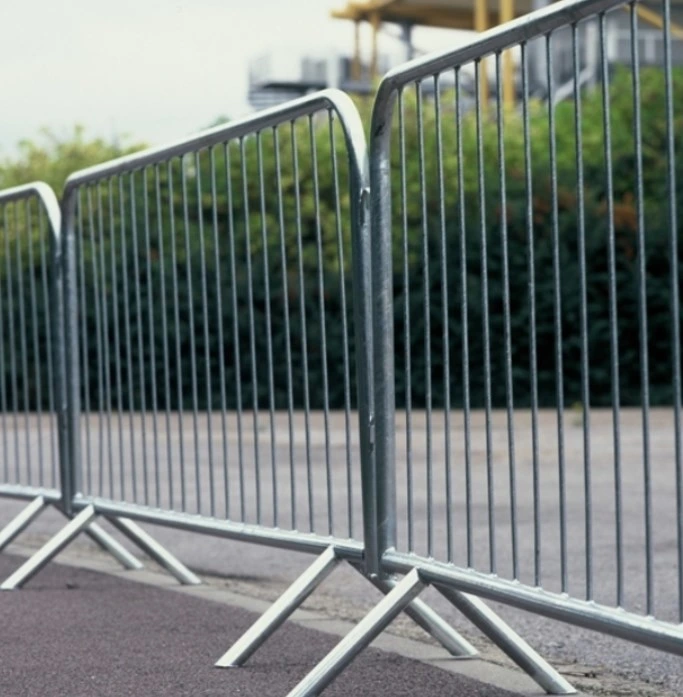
<point>50,549</point>
<point>508,641</point>
<point>280,610</point>
<point>155,550</point>
<point>360,636</point>
<point>431,622</point>
<point>116,549</point>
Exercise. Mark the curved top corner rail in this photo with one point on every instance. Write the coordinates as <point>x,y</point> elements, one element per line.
<point>332,99</point>
<point>504,36</point>
<point>46,196</point>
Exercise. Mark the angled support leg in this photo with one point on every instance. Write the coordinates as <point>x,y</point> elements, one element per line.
<point>50,549</point>
<point>151,547</point>
<point>508,641</point>
<point>22,520</point>
<point>360,636</point>
<point>116,549</point>
<point>109,544</point>
<point>431,622</point>
<point>280,610</point>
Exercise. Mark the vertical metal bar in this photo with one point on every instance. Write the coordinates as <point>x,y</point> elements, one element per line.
<point>207,348</point>
<point>98,338</point>
<point>379,505</point>
<point>465,323</point>
<point>675,300</point>
<point>323,332</point>
<point>236,332</point>
<point>642,310</point>
<point>138,315</point>
<point>190,310</point>
<point>117,343</point>
<point>176,326</point>
<point>427,319</point>
<point>105,330</point>
<point>252,329</point>
<point>559,380</point>
<point>37,363</point>
<point>269,325</point>
<point>444,319</point>
<point>219,329</point>
<point>406,327</point>
<point>3,386</point>
<point>164,331</point>
<point>64,329</point>
<point>48,339</point>
<point>531,270</point>
<point>23,341</point>
<point>614,341</point>
<point>485,319</point>
<point>129,350</point>
<point>506,322</point>
<point>14,389</point>
<point>345,329</point>
<point>152,333</point>
<point>85,362</point>
<point>585,368</point>
<point>288,339</point>
<point>302,310</point>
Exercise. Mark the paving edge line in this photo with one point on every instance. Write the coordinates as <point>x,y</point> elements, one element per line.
<point>476,668</point>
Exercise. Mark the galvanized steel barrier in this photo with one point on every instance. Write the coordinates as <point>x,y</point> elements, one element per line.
<point>223,235</point>
<point>500,503</point>
<point>29,345</point>
<point>189,403</point>
<point>32,397</point>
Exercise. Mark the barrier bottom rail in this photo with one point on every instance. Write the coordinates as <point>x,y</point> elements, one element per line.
<point>84,522</point>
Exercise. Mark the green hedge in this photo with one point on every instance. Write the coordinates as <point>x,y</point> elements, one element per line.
<point>200,208</point>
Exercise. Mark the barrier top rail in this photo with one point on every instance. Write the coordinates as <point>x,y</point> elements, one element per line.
<point>294,109</point>
<point>504,36</point>
<point>46,196</point>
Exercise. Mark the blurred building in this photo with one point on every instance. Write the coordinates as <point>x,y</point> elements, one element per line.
<point>276,77</point>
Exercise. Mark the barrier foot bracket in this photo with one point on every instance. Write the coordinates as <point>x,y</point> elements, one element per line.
<point>22,520</point>
<point>116,549</point>
<point>501,634</point>
<point>50,549</point>
<point>155,550</point>
<point>280,610</point>
<point>360,636</point>
<point>431,622</point>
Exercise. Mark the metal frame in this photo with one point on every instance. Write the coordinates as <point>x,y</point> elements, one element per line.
<point>453,583</point>
<point>39,497</point>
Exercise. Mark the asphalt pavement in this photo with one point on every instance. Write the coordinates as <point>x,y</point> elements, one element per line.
<point>76,632</point>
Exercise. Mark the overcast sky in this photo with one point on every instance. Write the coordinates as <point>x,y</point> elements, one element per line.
<point>153,69</point>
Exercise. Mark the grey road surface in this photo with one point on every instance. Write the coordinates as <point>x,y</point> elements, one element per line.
<point>212,467</point>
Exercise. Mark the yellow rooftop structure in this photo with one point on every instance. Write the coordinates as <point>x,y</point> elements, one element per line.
<point>451,14</point>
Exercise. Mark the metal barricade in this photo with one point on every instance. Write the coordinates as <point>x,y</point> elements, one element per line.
<point>32,396</point>
<point>217,311</point>
<point>515,261</point>
<point>29,341</point>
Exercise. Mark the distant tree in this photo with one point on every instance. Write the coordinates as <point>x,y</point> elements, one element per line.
<point>51,157</point>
